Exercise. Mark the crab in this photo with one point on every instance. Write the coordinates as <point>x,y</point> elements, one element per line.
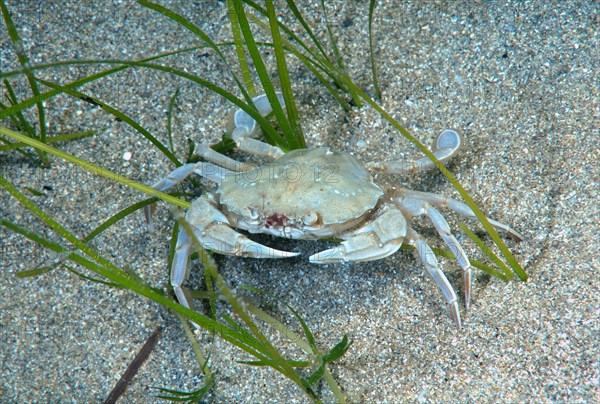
<point>313,194</point>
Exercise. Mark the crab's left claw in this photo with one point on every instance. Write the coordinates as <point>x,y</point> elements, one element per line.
<point>379,239</point>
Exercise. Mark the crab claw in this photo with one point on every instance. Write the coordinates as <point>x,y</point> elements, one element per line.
<point>358,248</point>
<point>244,247</point>
<point>378,239</point>
<point>211,227</point>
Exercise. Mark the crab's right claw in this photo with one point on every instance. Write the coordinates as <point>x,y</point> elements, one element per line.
<point>211,227</point>
<point>222,239</point>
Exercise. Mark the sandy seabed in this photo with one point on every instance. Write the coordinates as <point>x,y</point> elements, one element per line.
<point>519,80</point>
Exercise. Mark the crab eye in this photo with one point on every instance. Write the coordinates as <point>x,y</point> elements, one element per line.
<point>309,219</point>
<point>250,213</point>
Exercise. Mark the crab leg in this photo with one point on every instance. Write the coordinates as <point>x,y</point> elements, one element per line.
<point>433,269</point>
<point>209,171</point>
<point>379,239</point>
<point>179,268</point>
<point>245,126</point>
<point>415,203</point>
<point>443,229</point>
<point>207,153</point>
<point>444,147</point>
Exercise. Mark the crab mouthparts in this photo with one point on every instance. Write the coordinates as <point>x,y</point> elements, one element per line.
<point>276,220</point>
